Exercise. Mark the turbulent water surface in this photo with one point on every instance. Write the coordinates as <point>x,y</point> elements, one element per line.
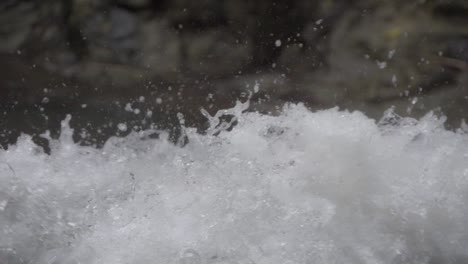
<point>301,187</point>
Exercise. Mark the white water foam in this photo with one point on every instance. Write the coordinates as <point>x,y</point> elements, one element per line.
<point>302,187</point>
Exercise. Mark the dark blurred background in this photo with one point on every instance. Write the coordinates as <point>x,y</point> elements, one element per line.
<point>122,65</point>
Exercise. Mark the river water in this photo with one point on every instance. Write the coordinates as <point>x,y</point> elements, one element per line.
<point>301,187</point>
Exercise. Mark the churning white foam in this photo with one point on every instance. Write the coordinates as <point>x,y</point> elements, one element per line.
<point>302,187</point>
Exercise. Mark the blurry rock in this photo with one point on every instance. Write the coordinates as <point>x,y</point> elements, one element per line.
<point>112,36</point>
<point>450,9</point>
<point>267,26</point>
<point>458,48</point>
<point>199,14</point>
<point>123,23</point>
<point>215,53</point>
<point>16,24</point>
<point>383,54</point>
<point>296,60</point>
<point>362,53</point>
<point>160,50</point>
<point>135,3</point>
<point>30,26</point>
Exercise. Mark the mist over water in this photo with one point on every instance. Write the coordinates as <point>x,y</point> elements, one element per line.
<point>301,187</point>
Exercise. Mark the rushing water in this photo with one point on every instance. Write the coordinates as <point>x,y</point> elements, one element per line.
<point>301,187</point>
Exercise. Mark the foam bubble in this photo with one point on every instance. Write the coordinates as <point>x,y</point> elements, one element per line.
<point>302,187</point>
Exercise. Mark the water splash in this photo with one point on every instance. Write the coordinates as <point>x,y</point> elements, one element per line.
<point>216,122</point>
<point>302,187</point>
